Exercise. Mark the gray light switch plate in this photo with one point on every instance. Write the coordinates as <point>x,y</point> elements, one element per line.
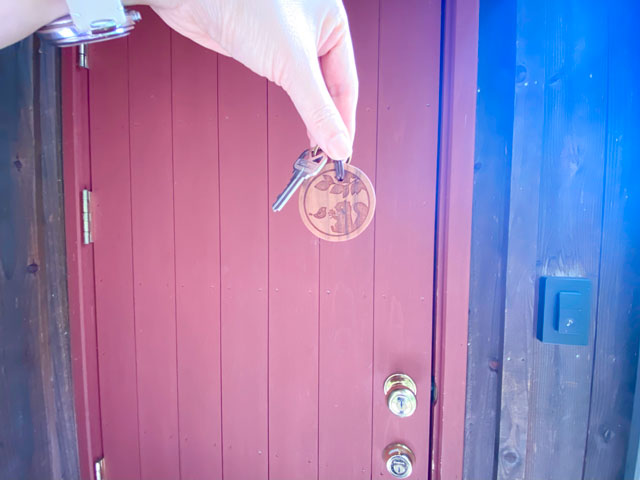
<point>564,310</point>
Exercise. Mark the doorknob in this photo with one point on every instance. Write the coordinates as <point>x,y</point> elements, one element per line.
<point>399,460</point>
<point>400,391</point>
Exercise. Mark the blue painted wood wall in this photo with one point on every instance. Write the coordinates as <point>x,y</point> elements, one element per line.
<point>557,192</point>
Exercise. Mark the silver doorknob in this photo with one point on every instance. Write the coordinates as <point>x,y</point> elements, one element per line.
<point>399,460</point>
<point>400,391</point>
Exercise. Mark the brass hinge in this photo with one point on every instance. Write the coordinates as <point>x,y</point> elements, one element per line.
<point>99,468</point>
<point>87,220</point>
<point>83,56</point>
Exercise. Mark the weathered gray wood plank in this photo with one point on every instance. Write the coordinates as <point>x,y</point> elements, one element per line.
<point>618,327</point>
<point>555,229</point>
<point>522,237</point>
<point>494,132</point>
<point>632,464</point>
<point>38,436</point>
<point>569,235</point>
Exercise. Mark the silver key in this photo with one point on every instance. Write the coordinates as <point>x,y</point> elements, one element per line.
<point>306,166</point>
<point>339,169</point>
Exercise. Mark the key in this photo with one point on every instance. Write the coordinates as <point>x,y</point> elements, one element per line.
<point>306,166</point>
<point>339,169</point>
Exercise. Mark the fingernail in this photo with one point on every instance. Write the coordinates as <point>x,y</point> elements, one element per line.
<point>339,147</point>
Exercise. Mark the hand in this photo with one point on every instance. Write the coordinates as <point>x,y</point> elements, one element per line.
<point>21,18</point>
<point>302,45</point>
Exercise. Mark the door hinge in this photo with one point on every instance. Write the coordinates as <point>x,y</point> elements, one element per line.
<point>99,468</point>
<point>83,56</point>
<point>87,220</point>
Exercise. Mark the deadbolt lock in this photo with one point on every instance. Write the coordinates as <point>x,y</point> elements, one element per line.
<point>399,460</point>
<point>400,391</point>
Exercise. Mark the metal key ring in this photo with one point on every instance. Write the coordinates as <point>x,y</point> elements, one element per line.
<point>316,149</point>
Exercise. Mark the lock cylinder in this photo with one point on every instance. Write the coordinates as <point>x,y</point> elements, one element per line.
<point>399,460</point>
<point>400,392</point>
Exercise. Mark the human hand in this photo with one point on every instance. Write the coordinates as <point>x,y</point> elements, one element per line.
<point>302,45</point>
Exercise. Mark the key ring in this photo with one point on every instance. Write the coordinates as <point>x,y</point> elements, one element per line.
<point>316,149</point>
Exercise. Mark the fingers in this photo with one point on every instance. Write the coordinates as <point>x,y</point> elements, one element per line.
<point>339,71</point>
<point>326,91</point>
<point>318,111</point>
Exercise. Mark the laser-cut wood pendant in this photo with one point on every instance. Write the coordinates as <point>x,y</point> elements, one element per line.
<point>337,211</point>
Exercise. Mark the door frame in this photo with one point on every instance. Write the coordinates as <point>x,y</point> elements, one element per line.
<point>452,253</point>
<point>459,71</point>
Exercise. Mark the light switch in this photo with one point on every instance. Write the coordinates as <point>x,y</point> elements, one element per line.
<point>564,310</point>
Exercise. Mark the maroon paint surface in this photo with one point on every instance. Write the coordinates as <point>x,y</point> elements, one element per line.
<point>197,250</point>
<point>404,224</point>
<point>346,293</point>
<point>458,114</point>
<point>244,270</point>
<point>80,272</point>
<point>232,343</point>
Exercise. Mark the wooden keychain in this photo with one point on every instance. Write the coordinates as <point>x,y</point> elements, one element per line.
<point>337,210</point>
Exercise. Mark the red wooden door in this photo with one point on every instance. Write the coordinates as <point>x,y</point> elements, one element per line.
<point>232,343</point>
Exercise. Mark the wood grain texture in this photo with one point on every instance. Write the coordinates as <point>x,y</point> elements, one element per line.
<point>494,133</point>
<point>80,261</point>
<point>244,204</point>
<point>618,324</point>
<point>555,220</point>
<point>565,411</point>
<point>570,222</point>
<point>113,256</point>
<point>337,210</point>
<point>293,309</point>
<point>346,294</point>
<point>523,232</point>
<point>632,464</point>
<point>38,434</point>
<point>405,223</point>
<point>197,249</point>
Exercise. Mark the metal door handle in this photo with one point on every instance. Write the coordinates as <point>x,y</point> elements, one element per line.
<point>400,392</point>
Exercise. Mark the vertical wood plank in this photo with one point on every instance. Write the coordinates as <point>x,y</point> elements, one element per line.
<point>346,293</point>
<point>618,321</point>
<point>293,308</point>
<point>113,254</point>
<point>244,204</point>
<point>153,246</point>
<point>632,464</point>
<point>453,234</point>
<point>494,133</point>
<point>38,428</point>
<point>80,261</point>
<point>523,231</point>
<point>570,221</point>
<point>197,237</point>
<point>555,220</point>
<point>405,219</point>
<point>54,348</point>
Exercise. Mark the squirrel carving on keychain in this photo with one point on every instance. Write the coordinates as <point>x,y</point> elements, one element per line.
<point>349,214</point>
<point>337,200</point>
<point>337,210</point>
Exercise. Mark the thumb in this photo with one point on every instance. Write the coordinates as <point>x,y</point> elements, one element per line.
<point>324,123</point>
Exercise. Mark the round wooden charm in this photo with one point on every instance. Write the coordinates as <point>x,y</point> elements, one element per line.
<point>337,210</point>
